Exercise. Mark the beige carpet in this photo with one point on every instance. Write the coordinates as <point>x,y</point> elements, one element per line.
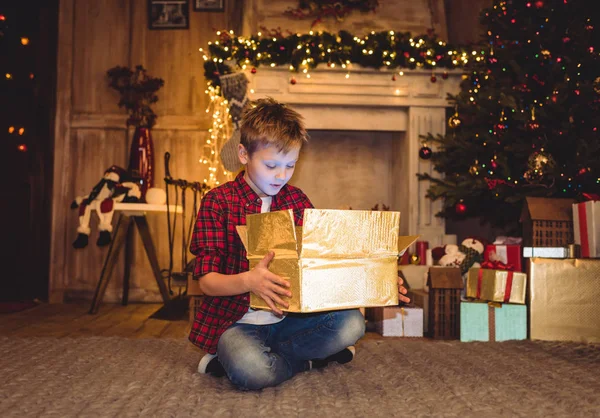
<point>97,377</point>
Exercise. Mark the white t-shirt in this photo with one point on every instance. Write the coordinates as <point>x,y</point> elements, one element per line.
<point>261,317</point>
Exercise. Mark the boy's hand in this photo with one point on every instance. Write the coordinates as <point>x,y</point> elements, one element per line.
<point>269,286</point>
<point>402,291</point>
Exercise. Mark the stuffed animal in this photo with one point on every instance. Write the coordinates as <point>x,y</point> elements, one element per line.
<point>112,188</point>
<point>466,255</point>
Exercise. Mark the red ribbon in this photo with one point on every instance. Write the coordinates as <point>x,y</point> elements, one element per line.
<point>508,288</point>
<point>479,277</point>
<point>583,231</point>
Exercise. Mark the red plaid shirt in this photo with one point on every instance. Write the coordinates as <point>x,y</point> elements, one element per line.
<point>218,248</point>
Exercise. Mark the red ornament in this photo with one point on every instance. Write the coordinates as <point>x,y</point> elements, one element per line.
<point>460,208</point>
<point>532,125</point>
<point>539,4</point>
<point>253,70</point>
<point>433,78</point>
<point>394,77</point>
<point>582,171</point>
<point>293,80</point>
<point>425,152</point>
<point>445,75</point>
<point>282,48</point>
<point>494,164</point>
<point>406,55</point>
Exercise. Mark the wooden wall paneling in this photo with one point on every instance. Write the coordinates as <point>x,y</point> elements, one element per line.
<point>100,41</point>
<point>94,150</point>
<point>58,257</point>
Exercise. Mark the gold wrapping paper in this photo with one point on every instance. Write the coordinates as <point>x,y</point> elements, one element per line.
<point>564,297</point>
<point>493,285</point>
<point>340,259</point>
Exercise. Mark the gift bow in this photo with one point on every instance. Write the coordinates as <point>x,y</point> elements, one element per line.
<point>591,196</point>
<point>496,265</point>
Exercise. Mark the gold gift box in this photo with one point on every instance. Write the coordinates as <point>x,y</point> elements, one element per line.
<point>564,297</point>
<point>339,259</point>
<point>493,285</point>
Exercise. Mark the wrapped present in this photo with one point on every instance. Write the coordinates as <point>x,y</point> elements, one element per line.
<point>496,285</point>
<point>563,303</point>
<point>420,298</point>
<point>480,321</point>
<point>546,252</point>
<point>398,321</point>
<point>339,259</point>
<point>509,254</point>
<point>586,228</point>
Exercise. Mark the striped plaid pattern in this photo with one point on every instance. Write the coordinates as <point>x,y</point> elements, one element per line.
<point>218,248</point>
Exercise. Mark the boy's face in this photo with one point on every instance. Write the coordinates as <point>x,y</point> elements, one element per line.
<point>269,169</point>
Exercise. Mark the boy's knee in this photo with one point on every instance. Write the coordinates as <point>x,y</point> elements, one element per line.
<point>253,374</point>
<point>351,326</point>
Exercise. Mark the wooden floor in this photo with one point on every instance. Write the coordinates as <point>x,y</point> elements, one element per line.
<point>73,320</point>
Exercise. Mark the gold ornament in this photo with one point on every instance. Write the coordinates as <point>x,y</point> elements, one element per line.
<point>474,170</point>
<point>540,164</point>
<point>454,121</point>
<point>415,259</point>
<point>597,85</point>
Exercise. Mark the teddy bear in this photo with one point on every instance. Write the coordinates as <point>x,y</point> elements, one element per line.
<point>111,189</point>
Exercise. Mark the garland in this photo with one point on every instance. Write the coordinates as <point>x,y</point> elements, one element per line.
<point>386,49</point>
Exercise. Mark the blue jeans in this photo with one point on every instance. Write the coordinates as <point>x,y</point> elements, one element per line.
<point>259,356</point>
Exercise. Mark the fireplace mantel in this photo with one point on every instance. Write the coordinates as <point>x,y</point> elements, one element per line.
<point>370,100</point>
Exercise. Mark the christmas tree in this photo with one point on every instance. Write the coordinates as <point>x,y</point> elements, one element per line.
<point>17,83</point>
<point>526,120</point>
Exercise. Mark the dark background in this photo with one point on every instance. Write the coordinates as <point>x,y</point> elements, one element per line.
<point>26,174</point>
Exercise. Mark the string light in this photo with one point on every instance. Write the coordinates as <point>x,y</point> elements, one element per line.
<point>220,132</point>
<point>377,49</point>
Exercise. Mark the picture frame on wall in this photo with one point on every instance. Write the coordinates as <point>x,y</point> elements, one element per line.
<point>209,5</point>
<point>168,14</point>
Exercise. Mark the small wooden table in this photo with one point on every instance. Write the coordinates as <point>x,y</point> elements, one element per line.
<point>131,213</point>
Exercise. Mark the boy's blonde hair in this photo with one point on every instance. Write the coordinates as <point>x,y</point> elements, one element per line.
<point>266,122</point>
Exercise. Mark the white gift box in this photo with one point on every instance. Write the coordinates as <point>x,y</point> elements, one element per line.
<point>586,228</point>
<point>397,321</point>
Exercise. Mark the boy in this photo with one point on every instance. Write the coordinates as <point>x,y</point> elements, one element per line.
<point>258,348</point>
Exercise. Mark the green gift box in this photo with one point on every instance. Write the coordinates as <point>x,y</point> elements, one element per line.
<point>492,322</point>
